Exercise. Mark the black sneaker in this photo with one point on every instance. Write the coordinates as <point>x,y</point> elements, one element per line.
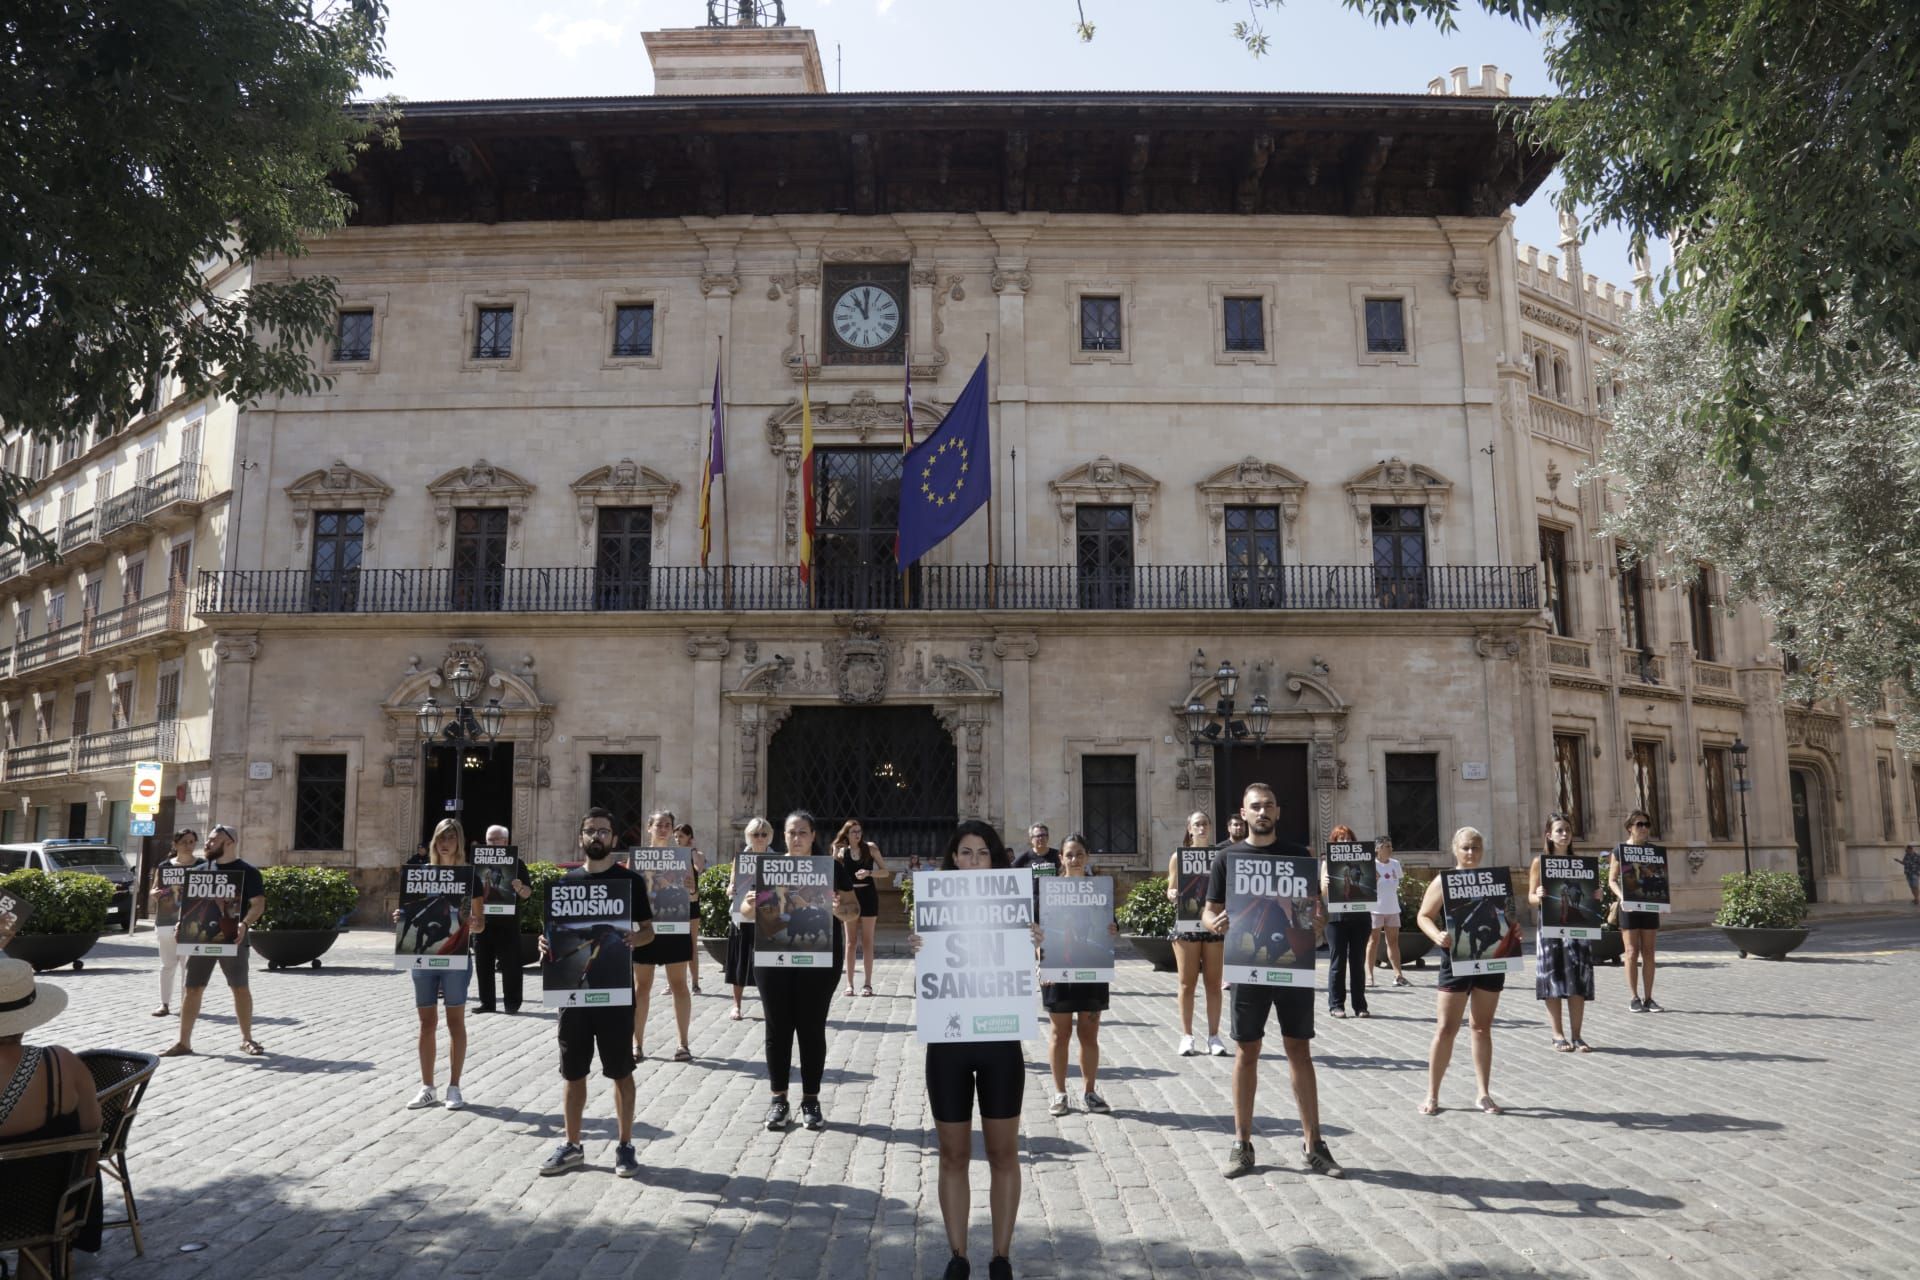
<point>1000,1269</point>
<point>1239,1160</point>
<point>1648,1006</point>
<point>777,1116</point>
<point>810,1114</point>
<point>1321,1160</point>
<point>958,1268</point>
<point>1635,1006</point>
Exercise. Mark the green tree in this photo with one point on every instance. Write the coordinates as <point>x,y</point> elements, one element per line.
<point>144,146</point>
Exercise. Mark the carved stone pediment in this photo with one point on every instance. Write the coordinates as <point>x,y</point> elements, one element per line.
<point>1253,483</point>
<point>859,662</point>
<point>1105,482</point>
<point>623,484</point>
<point>1395,482</point>
<point>338,488</point>
<point>480,485</point>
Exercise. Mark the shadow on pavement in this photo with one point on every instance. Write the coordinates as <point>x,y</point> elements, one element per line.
<point>1692,1122</point>
<point>1548,1199</point>
<point>1708,1055</point>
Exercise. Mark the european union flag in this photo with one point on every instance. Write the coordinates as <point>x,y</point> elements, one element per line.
<point>947,476</point>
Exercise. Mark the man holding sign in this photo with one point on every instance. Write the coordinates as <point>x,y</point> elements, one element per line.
<point>249,901</point>
<point>497,949</point>
<point>1287,871</point>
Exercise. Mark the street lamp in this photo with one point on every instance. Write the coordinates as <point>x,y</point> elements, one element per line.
<point>1742,786</point>
<point>1218,729</point>
<point>463,729</point>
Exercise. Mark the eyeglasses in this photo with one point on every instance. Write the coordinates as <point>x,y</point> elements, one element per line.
<point>1642,826</point>
<point>596,831</point>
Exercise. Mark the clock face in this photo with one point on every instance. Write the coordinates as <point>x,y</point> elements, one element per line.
<point>866,316</point>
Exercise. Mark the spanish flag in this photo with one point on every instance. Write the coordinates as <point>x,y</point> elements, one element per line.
<point>806,479</point>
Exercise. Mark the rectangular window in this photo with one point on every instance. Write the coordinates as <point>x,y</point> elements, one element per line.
<point>1099,324</point>
<point>1569,780</point>
<point>13,727</point>
<point>353,337</point>
<point>190,443</point>
<point>1553,578</point>
<point>1633,606</point>
<point>44,714</point>
<point>1253,557</point>
<point>1700,613</point>
<point>493,334</point>
<point>633,330</point>
<point>82,712</point>
<point>479,558</point>
<point>1413,800</point>
<point>168,704</point>
<point>1386,327</point>
<point>1400,558</point>
<point>56,611</point>
<point>334,580</point>
<point>145,463</point>
<point>6,836</point>
<point>133,588</point>
<point>1646,784</point>
<point>1719,809</point>
<point>123,703</point>
<point>320,802</point>
<point>617,783</point>
<point>1246,321</point>
<point>37,463</point>
<point>1886,799</point>
<point>179,558</point>
<point>1103,554</point>
<point>1108,804</point>
<point>102,489</point>
<point>623,564</point>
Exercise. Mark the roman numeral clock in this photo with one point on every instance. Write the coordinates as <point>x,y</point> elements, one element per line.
<point>865,319</point>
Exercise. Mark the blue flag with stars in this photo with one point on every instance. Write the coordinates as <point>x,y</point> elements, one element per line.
<point>947,476</point>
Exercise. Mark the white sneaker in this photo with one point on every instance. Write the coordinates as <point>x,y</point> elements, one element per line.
<point>1060,1105</point>
<point>455,1100</point>
<point>1186,1046</point>
<point>1215,1046</point>
<point>423,1099</point>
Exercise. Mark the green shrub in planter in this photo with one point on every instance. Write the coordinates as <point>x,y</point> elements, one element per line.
<point>532,915</point>
<point>1413,889</point>
<point>64,902</point>
<point>306,898</point>
<point>1146,911</point>
<point>906,896</point>
<point>716,905</point>
<point>1761,900</point>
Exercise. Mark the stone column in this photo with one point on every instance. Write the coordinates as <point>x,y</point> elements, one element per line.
<point>704,809</point>
<point>1016,650</point>
<point>231,690</point>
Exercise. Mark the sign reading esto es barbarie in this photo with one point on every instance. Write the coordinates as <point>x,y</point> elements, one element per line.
<point>1477,907</point>
<point>973,978</point>
<point>433,929</point>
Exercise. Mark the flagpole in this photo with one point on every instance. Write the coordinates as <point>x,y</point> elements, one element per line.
<point>806,506</point>
<point>992,515</point>
<point>726,507</point>
<point>906,439</point>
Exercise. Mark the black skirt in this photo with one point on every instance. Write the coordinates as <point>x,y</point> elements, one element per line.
<point>740,956</point>
<point>1074,997</point>
<point>672,948</point>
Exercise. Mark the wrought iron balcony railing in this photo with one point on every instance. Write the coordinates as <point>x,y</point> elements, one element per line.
<point>684,589</point>
<point>119,748</point>
<point>41,760</point>
<point>164,611</point>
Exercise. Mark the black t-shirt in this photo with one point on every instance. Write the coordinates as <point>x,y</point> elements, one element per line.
<point>1217,883</point>
<point>642,908</point>
<point>1028,858</point>
<point>252,886</point>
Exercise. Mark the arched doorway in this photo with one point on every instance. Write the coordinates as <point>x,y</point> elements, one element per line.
<point>894,768</point>
<point>1808,827</point>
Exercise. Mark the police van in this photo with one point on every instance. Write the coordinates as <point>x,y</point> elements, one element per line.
<point>95,857</point>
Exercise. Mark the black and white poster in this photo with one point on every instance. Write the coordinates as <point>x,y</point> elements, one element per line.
<point>1643,879</point>
<point>1570,897</point>
<point>210,913</point>
<point>495,866</point>
<point>14,911</point>
<point>793,912</point>
<point>973,976</point>
<point>1478,910</point>
<point>434,926</point>
<point>1353,877</point>
<point>1270,904</point>
<point>1076,929</point>
<point>669,877</point>
<point>746,866</point>
<point>1192,869</point>
<point>588,962</point>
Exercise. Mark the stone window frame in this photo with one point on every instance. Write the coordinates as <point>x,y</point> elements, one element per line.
<point>1105,482</point>
<point>115,679</point>
<point>1570,539</point>
<point>480,484</point>
<point>1218,291</point>
<point>1251,482</point>
<point>625,483</point>
<point>1141,749</point>
<point>287,777</point>
<point>471,304</point>
<point>1359,293</point>
<point>1582,732</point>
<point>1395,482</point>
<point>373,300</point>
<point>1446,753</point>
<point>611,300</point>
<point>336,488</point>
<point>1121,289</point>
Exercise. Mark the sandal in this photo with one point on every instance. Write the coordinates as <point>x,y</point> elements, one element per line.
<point>161,1012</point>
<point>253,1048</point>
<point>1561,1045</point>
<point>1399,981</point>
<point>177,1051</point>
<point>683,1054</point>
<point>1429,1107</point>
<point>867,990</point>
<point>1581,1046</point>
<point>1492,1108</point>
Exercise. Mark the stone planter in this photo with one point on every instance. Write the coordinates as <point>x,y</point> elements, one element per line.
<point>46,951</point>
<point>717,948</point>
<point>1608,947</point>
<point>1156,951</point>
<point>288,948</point>
<point>1768,944</point>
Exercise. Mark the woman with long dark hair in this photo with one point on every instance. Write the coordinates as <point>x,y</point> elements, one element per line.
<point>1198,955</point>
<point>862,859</point>
<point>1347,935</point>
<point>673,951</point>
<point>1074,1009</point>
<point>740,941</point>
<point>1639,930</point>
<point>1566,967</point>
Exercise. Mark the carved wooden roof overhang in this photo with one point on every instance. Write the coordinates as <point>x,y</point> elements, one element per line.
<point>883,153</point>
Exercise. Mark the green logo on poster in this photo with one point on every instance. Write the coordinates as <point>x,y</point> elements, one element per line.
<point>1083,975</point>
<point>1280,977</point>
<point>803,959</point>
<point>996,1024</point>
<point>439,962</point>
<point>596,997</point>
<point>1496,966</point>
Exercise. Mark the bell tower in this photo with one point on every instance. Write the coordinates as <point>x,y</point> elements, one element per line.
<point>745,48</point>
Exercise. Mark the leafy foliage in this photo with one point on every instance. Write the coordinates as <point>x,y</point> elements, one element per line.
<point>532,915</point>
<point>1761,900</point>
<point>1413,888</point>
<point>906,895</point>
<point>1146,912</point>
<point>716,905</point>
<point>306,897</point>
<point>63,902</point>
<point>145,148</point>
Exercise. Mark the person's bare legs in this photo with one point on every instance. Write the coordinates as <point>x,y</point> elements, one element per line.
<point>1089,1029</point>
<point>1648,945</point>
<point>1003,1186</point>
<point>1187,963</point>
<point>573,1104</point>
<point>1480,1021</point>
<point>623,1093</point>
<point>642,1002</point>
<point>868,927</point>
<point>190,999</point>
<point>1630,953</point>
<point>1373,941</point>
<point>853,938</point>
<point>956,1152</point>
<point>243,1008</point>
<point>429,1024</point>
<point>1306,1088</point>
<point>1553,1016</point>
<point>1060,1025</point>
<point>682,990</point>
<point>693,960</point>
<point>1246,1079</point>
<point>1393,947</point>
<point>456,1043</point>
<point>1576,1009</point>
<point>1448,1008</point>
<point>1213,963</point>
<point>739,990</point>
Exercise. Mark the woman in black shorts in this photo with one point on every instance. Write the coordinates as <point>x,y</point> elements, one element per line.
<point>1198,956</point>
<point>1068,1003</point>
<point>1639,930</point>
<point>997,1070</point>
<point>1477,996</point>
<point>740,940</point>
<point>674,951</point>
<point>862,859</point>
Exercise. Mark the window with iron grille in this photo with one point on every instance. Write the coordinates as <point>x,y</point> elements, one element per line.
<point>1553,578</point>
<point>1400,557</point>
<point>1886,799</point>
<point>1719,811</point>
<point>353,336</point>
<point>1109,805</point>
<point>334,581</point>
<point>623,559</point>
<point>1246,322</point>
<point>1413,799</point>
<point>1100,324</point>
<point>1700,613</point>
<point>1569,780</point>
<point>320,802</point>
<point>1647,791</point>
<point>82,712</point>
<point>479,558</point>
<point>1633,606</point>
<point>1103,555</point>
<point>1386,327</point>
<point>633,330</point>
<point>617,783</point>
<point>493,334</point>
<point>1253,557</point>
<point>167,705</point>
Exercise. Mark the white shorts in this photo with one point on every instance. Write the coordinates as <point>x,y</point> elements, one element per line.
<point>1386,919</point>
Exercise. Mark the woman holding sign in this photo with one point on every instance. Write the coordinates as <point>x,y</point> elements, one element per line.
<point>1074,1008</point>
<point>1639,930</point>
<point>1347,934</point>
<point>1197,953</point>
<point>167,879</point>
<point>1566,964</point>
<point>740,877</point>
<point>1477,995</point>
<point>432,986</point>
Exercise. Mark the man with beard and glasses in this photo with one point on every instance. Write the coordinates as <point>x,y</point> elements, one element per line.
<point>610,1028</point>
<point>1251,1004</point>
<point>222,853</point>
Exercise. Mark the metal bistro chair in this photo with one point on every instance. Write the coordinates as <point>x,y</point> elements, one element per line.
<point>120,1076</point>
<point>48,1186</point>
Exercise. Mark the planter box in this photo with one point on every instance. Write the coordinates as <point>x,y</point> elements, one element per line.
<point>1768,944</point>
<point>1414,945</point>
<point>1157,951</point>
<point>1608,947</point>
<point>716,947</point>
<point>287,948</point>
<point>46,951</point>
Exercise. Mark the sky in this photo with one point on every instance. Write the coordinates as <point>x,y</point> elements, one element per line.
<point>582,48</point>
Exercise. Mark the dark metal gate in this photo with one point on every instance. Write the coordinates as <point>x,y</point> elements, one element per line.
<point>893,768</point>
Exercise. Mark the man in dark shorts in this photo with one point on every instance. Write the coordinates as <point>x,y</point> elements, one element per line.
<point>222,853</point>
<point>1252,1004</point>
<point>609,1028</point>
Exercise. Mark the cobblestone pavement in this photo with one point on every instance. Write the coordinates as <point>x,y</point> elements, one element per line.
<point>1766,1126</point>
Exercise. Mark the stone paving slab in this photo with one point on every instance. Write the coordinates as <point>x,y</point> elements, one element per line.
<point>1766,1126</point>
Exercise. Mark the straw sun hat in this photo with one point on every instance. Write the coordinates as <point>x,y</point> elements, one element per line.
<point>24,1003</point>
